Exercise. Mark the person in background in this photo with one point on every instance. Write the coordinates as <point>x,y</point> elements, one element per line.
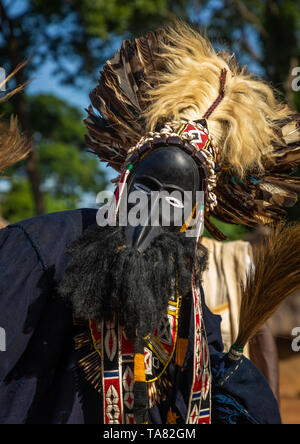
<point>228,266</point>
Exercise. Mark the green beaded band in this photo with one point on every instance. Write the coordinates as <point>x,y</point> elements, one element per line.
<point>240,349</point>
<point>235,353</point>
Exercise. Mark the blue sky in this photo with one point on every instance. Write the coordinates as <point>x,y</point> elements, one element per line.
<point>45,82</point>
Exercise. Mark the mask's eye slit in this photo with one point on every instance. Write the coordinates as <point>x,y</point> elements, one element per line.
<point>174,202</point>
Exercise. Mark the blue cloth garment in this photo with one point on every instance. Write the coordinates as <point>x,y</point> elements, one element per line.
<point>40,381</point>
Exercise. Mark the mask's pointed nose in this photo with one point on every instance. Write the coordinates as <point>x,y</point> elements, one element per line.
<point>142,235</point>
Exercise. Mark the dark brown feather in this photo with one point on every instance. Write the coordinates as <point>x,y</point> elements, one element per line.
<point>263,199</point>
<point>13,146</point>
<point>115,121</point>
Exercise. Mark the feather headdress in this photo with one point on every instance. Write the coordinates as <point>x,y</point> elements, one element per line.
<point>174,75</point>
<point>13,145</point>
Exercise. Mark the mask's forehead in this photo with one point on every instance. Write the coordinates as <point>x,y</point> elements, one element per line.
<point>169,166</point>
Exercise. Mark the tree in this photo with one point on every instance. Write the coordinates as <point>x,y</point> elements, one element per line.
<point>79,33</point>
<point>66,170</point>
<point>265,34</point>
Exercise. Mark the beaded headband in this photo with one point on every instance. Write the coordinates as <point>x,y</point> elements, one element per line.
<point>193,138</point>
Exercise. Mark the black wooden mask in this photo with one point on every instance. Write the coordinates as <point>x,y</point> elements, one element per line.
<point>169,170</point>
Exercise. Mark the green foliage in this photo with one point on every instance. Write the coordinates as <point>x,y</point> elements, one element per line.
<point>54,119</point>
<point>232,232</point>
<point>67,170</point>
<point>77,36</point>
<point>265,35</point>
<point>17,204</point>
<point>64,162</point>
<point>84,31</point>
<point>102,18</point>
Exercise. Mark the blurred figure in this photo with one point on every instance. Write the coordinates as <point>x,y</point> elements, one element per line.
<point>229,263</point>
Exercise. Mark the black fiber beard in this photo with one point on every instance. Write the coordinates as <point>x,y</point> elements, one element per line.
<point>105,277</point>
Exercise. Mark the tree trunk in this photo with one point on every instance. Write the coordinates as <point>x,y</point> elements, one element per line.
<point>280,48</point>
<point>19,101</point>
<point>32,162</point>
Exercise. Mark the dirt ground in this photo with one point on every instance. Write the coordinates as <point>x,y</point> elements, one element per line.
<point>289,367</point>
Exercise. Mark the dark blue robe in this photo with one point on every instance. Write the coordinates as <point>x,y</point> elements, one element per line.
<point>40,381</point>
